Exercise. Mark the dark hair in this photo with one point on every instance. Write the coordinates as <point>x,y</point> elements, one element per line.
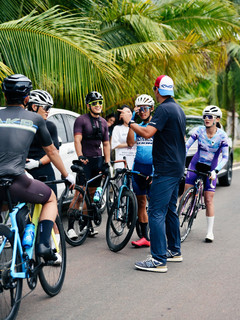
<point>120,121</point>
<point>111,115</point>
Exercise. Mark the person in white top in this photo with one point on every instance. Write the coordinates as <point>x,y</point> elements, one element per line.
<point>119,140</point>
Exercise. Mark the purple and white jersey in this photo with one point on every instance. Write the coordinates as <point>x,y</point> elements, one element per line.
<point>209,149</point>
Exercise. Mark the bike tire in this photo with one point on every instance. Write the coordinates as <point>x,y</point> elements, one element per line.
<point>112,194</point>
<point>10,298</point>
<point>63,213</point>
<point>119,229</point>
<point>52,276</point>
<point>184,213</point>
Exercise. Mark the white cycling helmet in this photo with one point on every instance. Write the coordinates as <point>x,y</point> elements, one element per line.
<point>41,98</point>
<point>212,110</point>
<point>144,100</point>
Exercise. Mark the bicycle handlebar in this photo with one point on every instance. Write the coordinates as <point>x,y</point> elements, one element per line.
<point>208,174</point>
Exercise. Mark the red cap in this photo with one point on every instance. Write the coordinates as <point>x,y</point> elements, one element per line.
<point>165,85</point>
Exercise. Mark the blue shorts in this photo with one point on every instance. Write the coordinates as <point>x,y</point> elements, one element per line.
<point>140,187</point>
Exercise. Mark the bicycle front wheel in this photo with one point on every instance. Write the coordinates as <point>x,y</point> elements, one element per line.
<point>52,274</point>
<point>10,289</point>
<point>121,221</point>
<point>186,212</point>
<point>75,225</point>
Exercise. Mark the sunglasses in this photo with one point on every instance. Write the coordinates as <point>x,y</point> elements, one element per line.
<point>144,109</point>
<point>94,103</point>
<point>46,108</point>
<point>154,88</point>
<point>208,116</point>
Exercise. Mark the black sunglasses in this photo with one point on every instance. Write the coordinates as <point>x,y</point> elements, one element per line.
<point>46,108</point>
<point>154,88</point>
<point>209,116</point>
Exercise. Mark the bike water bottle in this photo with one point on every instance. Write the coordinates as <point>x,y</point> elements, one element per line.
<point>97,194</point>
<point>28,236</point>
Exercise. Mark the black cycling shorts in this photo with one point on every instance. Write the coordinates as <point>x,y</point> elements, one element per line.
<point>91,169</point>
<point>25,189</point>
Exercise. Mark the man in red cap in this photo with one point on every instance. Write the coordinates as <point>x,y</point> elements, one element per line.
<point>168,130</point>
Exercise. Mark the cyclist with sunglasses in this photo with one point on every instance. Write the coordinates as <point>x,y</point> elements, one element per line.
<point>17,130</point>
<point>212,141</point>
<point>90,130</point>
<point>38,163</point>
<point>144,106</point>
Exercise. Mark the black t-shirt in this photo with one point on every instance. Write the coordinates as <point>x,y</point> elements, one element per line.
<point>169,149</point>
<point>36,151</point>
<point>17,130</point>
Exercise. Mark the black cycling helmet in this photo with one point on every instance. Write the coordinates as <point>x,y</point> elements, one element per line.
<point>17,85</point>
<point>93,96</point>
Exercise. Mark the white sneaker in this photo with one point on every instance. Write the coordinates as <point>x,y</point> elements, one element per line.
<point>92,232</point>
<point>59,259</point>
<point>83,231</point>
<point>72,234</point>
<point>209,237</point>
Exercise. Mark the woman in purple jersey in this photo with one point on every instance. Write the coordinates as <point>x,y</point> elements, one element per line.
<point>211,142</point>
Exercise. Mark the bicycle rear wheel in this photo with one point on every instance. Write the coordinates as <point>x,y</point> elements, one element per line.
<point>121,221</point>
<point>186,213</point>
<point>10,289</point>
<point>78,223</point>
<point>52,274</point>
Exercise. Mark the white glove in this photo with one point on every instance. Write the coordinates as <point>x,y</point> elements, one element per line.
<point>213,175</point>
<point>70,178</point>
<point>31,164</point>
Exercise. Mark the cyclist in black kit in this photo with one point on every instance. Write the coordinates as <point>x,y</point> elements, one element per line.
<point>38,163</point>
<point>17,130</point>
<point>89,131</point>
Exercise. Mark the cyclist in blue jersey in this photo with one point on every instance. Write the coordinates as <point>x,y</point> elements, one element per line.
<point>211,142</point>
<point>144,106</point>
<point>17,130</point>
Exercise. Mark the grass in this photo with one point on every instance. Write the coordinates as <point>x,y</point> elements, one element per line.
<point>236,155</point>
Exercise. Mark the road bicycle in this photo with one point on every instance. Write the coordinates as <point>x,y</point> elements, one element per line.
<point>123,214</point>
<point>85,210</point>
<point>18,263</point>
<point>191,202</point>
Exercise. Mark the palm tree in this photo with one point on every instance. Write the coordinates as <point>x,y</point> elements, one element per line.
<point>117,47</point>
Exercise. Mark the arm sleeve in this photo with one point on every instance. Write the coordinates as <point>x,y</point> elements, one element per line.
<point>225,154</point>
<point>159,119</point>
<point>191,140</point>
<point>53,132</point>
<point>78,126</point>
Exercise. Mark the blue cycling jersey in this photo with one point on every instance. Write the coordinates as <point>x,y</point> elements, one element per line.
<point>210,149</point>
<point>144,148</point>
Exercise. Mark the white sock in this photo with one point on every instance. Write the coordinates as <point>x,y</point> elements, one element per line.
<point>57,237</point>
<point>210,222</point>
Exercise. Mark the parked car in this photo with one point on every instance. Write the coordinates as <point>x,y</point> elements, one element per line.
<point>64,121</point>
<point>224,175</point>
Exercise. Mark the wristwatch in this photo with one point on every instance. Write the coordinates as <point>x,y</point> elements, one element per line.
<point>130,122</point>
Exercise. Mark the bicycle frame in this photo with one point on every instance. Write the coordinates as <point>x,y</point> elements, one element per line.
<point>26,254</point>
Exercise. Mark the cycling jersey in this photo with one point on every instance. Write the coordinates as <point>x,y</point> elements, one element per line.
<point>36,152</point>
<point>17,130</point>
<point>144,148</point>
<point>209,149</point>
<point>91,147</point>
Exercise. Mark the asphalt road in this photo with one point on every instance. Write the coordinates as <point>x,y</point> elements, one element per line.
<point>104,285</point>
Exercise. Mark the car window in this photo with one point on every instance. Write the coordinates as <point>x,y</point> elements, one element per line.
<point>69,122</point>
<point>191,124</point>
<point>58,121</point>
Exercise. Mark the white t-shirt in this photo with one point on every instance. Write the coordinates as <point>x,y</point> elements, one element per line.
<point>119,136</point>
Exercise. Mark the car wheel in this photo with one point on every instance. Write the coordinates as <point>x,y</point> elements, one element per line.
<point>227,178</point>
